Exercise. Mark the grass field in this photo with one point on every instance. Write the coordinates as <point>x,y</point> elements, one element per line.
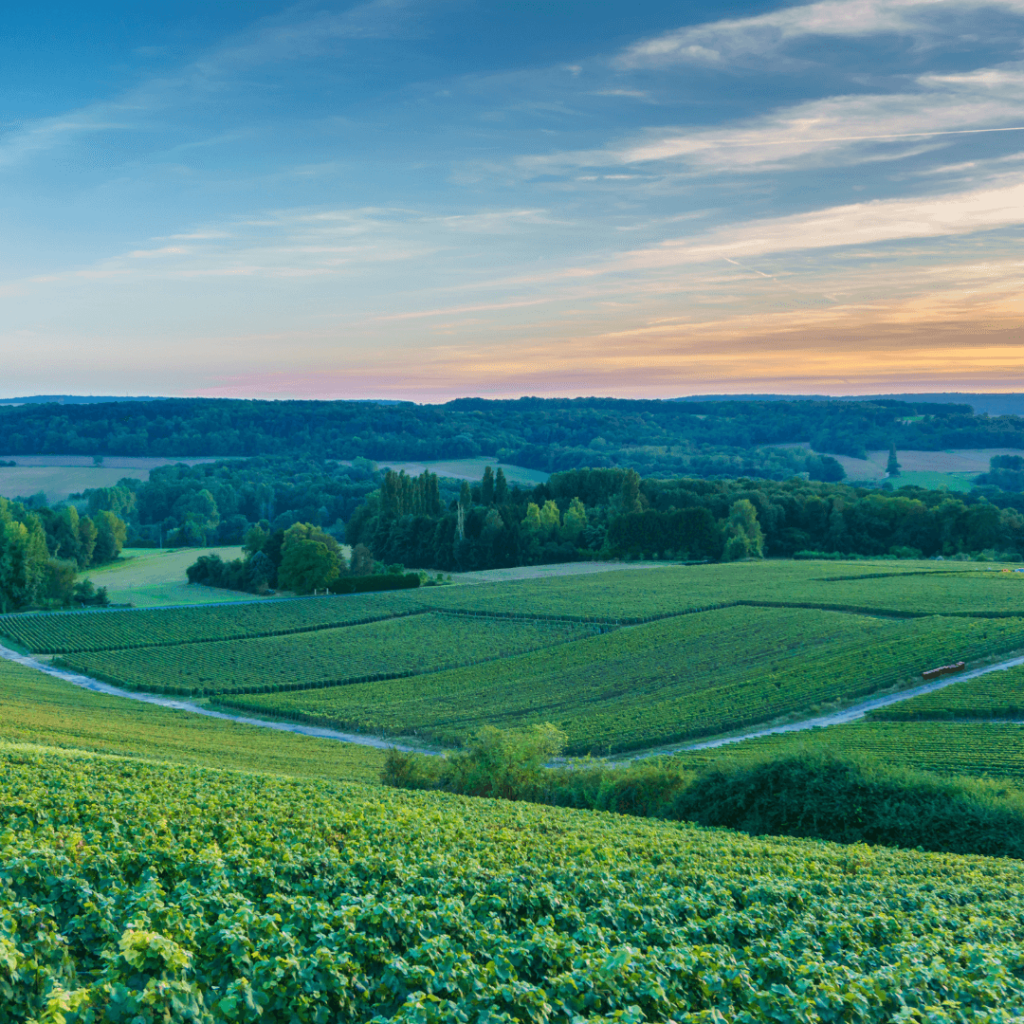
<point>933,480</point>
<point>543,572</point>
<point>994,695</point>
<point>36,708</point>
<point>151,578</point>
<point>954,469</point>
<point>58,476</point>
<point>143,892</point>
<point>470,469</point>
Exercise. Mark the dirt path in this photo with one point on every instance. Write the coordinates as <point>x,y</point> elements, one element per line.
<point>850,714</point>
<point>196,709</point>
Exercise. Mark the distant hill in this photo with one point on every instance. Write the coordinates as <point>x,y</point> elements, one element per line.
<point>101,399</point>
<point>76,399</point>
<point>729,437</point>
<point>997,403</point>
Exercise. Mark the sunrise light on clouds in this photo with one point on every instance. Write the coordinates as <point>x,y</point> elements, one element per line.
<point>429,199</point>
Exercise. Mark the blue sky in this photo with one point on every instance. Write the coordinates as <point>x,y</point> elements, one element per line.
<point>429,198</point>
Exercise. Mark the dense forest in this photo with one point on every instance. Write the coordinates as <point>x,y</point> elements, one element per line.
<point>431,522</point>
<point>219,502</point>
<point>657,438</point>
<point>42,551</point>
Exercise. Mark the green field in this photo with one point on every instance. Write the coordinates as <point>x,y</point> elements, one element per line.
<point>684,652</point>
<point>151,578</point>
<point>98,631</point>
<point>679,678</point>
<point>903,587</point>
<point>328,657</point>
<point>470,469</point>
<point>993,695</point>
<point>59,476</point>
<point>140,892</point>
<point>36,708</point>
<point>935,480</point>
<point>955,469</point>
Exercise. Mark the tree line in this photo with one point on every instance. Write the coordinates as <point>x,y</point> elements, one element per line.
<point>657,438</point>
<point>218,503</point>
<point>615,513</point>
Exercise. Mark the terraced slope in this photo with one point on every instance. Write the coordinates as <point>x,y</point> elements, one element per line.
<point>135,892</point>
<point>908,588</point>
<point>71,632</point>
<point>976,749</point>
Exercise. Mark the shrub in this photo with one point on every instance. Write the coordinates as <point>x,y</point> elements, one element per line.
<point>813,795</point>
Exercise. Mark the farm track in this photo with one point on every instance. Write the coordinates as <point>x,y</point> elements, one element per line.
<point>184,705</point>
<point>850,714</point>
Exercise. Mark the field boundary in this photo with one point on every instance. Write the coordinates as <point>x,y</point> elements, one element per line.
<point>595,620</point>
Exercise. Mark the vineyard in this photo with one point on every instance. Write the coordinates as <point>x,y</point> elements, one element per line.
<point>135,892</point>
<point>916,588</point>
<point>949,748</point>
<point>38,709</point>
<point>666,681</point>
<point>625,597</point>
<point>618,660</point>
<point>72,632</point>
<point>394,647</point>
<point>994,695</point>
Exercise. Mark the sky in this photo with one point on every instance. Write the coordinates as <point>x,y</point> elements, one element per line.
<point>426,199</point>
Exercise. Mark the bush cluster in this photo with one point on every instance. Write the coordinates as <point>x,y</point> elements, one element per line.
<point>816,794</point>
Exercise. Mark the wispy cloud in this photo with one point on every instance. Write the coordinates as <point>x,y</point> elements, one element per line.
<point>888,220</point>
<point>847,129</point>
<point>296,35</point>
<point>738,41</point>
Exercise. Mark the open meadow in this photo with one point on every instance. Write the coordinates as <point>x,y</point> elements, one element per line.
<point>954,469</point>
<point>469,469</point>
<point>153,577</point>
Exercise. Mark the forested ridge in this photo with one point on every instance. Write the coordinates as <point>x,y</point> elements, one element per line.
<point>714,438</point>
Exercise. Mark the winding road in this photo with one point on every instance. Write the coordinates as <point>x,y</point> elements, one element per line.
<point>850,714</point>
